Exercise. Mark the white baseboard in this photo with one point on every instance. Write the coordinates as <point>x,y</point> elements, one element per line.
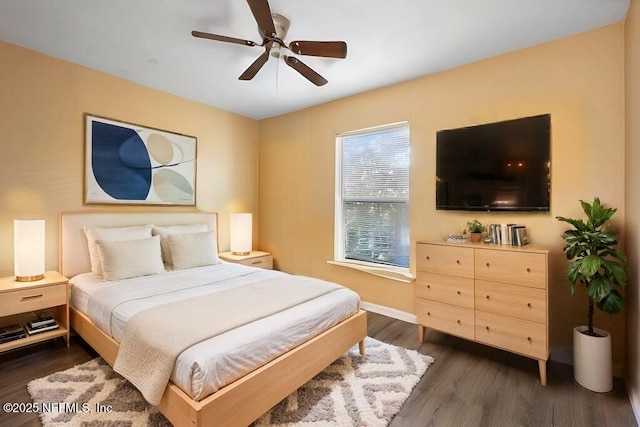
<point>389,312</point>
<point>634,398</point>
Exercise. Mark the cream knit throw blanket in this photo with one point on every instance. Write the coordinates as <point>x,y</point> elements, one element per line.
<point>153,339</point>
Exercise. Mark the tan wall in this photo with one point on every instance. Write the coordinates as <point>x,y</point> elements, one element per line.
<point>42,102</point>
<point>579,80</point>
<point>632,61</point>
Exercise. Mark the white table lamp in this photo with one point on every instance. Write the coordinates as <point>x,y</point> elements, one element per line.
<point>241,233</point>
<point>28,249</point>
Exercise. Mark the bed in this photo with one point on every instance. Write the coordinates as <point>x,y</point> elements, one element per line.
<point>209,400</point>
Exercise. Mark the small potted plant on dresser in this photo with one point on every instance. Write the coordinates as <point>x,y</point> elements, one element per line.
<point>475,229</point>
<point>597,264</point>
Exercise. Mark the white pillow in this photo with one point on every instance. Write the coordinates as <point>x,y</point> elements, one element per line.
<point>164,232</point>
<point>193,250</point>
<point>116,233</point>
<point>123,259</point>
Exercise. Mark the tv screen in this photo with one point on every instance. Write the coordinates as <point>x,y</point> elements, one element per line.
<point>502,166</point>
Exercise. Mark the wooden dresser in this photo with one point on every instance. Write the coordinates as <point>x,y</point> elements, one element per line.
<point>495,295</point>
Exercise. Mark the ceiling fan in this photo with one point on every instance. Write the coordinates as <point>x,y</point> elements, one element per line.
<point>273,28</point>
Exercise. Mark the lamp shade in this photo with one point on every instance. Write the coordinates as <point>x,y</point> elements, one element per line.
<point>28,249</point>
<point>241,233</point>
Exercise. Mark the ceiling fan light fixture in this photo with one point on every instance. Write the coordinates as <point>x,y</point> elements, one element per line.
<point>276,50</point>
<point>282,25</point>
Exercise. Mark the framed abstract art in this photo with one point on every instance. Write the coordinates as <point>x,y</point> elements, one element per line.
<point>127,163</point>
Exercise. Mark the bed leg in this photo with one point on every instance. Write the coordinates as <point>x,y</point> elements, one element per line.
<point>361,348</point>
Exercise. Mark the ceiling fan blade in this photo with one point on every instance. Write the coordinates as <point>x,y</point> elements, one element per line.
<point>220,38</point>
<point>307,72</point>
<point>325,49</point>
<point>253,69</point>
<point>262,14</point>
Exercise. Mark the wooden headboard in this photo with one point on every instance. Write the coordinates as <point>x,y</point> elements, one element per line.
<point>74,252</point>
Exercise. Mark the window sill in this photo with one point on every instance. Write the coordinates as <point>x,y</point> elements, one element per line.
<point>400,275</point>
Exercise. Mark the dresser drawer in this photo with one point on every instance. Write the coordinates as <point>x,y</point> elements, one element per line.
<point>449,260</point>
<point>517,335</point>
<point>519,268</point>
<point>511,300</point>
<point>448,289</point>
<point>20,301</point>
<point>447,318</point>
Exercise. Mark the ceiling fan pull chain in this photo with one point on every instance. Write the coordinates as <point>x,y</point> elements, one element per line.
<point>277,74</point>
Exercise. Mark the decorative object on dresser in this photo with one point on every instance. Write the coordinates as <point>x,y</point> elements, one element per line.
<point>241,233</point>
<point>20,301</point>
<point>508,234</point>
<point>495,295</point>
<point>254,259</point>
<point>602,269</point>
<point>126,163</point>
<point>28,249</point>
<point>475,229</point>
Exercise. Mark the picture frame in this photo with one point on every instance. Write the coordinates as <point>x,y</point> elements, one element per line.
<point>131,164</point>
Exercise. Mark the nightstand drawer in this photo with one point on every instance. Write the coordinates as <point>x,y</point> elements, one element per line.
<point>265,262</point>
<point>448,289</point>
<point>519,336</point>
<point>446,318</point>
<point>20,301</point>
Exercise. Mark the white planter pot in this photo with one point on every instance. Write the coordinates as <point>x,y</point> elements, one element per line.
<point>592,363</point>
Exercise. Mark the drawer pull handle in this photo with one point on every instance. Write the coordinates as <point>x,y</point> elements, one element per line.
<point>487,328</point>
<point>458,261</point>
<point>488,265</point>
<point>256,262</point>
<point>30,297</point>
<point>428,313</point>
<point>459,293</point>
<point>428,286</point>
<point>529,339</point>
<point>488,298</point>
<point>459,322</point>
<point>529,304</point>
<point>528,270</point>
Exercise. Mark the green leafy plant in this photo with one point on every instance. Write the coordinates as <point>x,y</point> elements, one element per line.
<point>596,262</point>
<point>476,226</point>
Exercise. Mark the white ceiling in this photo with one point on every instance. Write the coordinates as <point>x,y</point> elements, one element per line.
<point>149,41</point>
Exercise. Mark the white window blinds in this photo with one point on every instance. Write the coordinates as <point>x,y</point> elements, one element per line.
<point>373,214</point>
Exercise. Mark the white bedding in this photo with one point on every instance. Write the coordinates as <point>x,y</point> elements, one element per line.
<point>207,366</point>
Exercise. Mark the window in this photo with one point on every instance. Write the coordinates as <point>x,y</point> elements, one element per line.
<point>372,197</point>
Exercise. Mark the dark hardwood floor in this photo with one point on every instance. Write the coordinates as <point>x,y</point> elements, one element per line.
<point>468,384</point>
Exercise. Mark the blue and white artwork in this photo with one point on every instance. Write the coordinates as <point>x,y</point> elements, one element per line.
<point>131,164</point>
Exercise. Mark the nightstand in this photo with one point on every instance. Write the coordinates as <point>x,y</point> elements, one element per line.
<point>20,302</point>
<point>254,259</point>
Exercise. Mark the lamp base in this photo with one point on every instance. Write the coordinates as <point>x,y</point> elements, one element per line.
<point>240,253</point>
<point>29,278</point>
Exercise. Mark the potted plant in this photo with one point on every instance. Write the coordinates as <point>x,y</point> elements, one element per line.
<point>597,264</point>
<point>475,228</point>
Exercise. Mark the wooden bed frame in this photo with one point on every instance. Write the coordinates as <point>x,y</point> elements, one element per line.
<point>238,403</point>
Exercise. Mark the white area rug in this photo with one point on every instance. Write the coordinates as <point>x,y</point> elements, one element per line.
<point>354,390</point>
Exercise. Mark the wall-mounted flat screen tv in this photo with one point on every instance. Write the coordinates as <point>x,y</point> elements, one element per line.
<point>502,166</point>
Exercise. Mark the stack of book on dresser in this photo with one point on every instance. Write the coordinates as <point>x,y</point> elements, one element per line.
<point>508,234</point>
<point>40,325</point>
<point>11,333</point>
